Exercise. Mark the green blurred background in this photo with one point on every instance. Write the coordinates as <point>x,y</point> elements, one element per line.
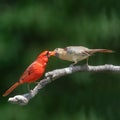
<point>27,27</point>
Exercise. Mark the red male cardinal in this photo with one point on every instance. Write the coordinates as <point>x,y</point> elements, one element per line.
<point>33,72</point>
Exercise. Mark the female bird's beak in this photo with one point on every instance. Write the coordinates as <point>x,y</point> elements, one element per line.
<point>52,53</point>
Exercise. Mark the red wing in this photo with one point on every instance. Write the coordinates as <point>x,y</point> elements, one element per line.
<point>27,72</point>
<point>33,72</point>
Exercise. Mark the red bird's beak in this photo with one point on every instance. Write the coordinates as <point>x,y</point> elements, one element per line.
<point>52,53</point>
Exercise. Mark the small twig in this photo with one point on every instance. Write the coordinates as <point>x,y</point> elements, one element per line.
<point>55,74</point>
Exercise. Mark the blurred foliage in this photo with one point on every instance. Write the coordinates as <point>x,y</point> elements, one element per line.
<point>28,27</point>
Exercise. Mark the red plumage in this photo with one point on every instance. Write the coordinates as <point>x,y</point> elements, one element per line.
<point>33,72</point>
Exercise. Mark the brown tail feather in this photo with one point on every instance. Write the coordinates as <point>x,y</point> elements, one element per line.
<point>11,88</point>
<point>101,50</point>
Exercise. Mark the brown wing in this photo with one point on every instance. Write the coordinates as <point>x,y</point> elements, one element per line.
<point>78,50</point>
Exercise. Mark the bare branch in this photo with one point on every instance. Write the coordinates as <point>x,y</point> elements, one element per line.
<point>55,74</point>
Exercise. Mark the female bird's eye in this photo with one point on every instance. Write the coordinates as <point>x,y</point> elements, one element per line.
<point>56,49</point>
<point>65,48</point>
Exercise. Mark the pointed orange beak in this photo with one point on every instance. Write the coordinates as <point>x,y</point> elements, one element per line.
<point>52,53</point>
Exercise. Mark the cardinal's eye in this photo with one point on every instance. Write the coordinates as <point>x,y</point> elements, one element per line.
<point>47,54</point>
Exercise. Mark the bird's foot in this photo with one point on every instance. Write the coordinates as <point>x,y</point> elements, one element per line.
<point>72,64</point>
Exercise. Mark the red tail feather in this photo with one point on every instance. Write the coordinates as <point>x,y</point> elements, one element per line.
<point>11,88</point>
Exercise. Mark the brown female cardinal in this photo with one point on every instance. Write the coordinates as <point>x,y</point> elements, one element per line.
<point>77,53</point>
